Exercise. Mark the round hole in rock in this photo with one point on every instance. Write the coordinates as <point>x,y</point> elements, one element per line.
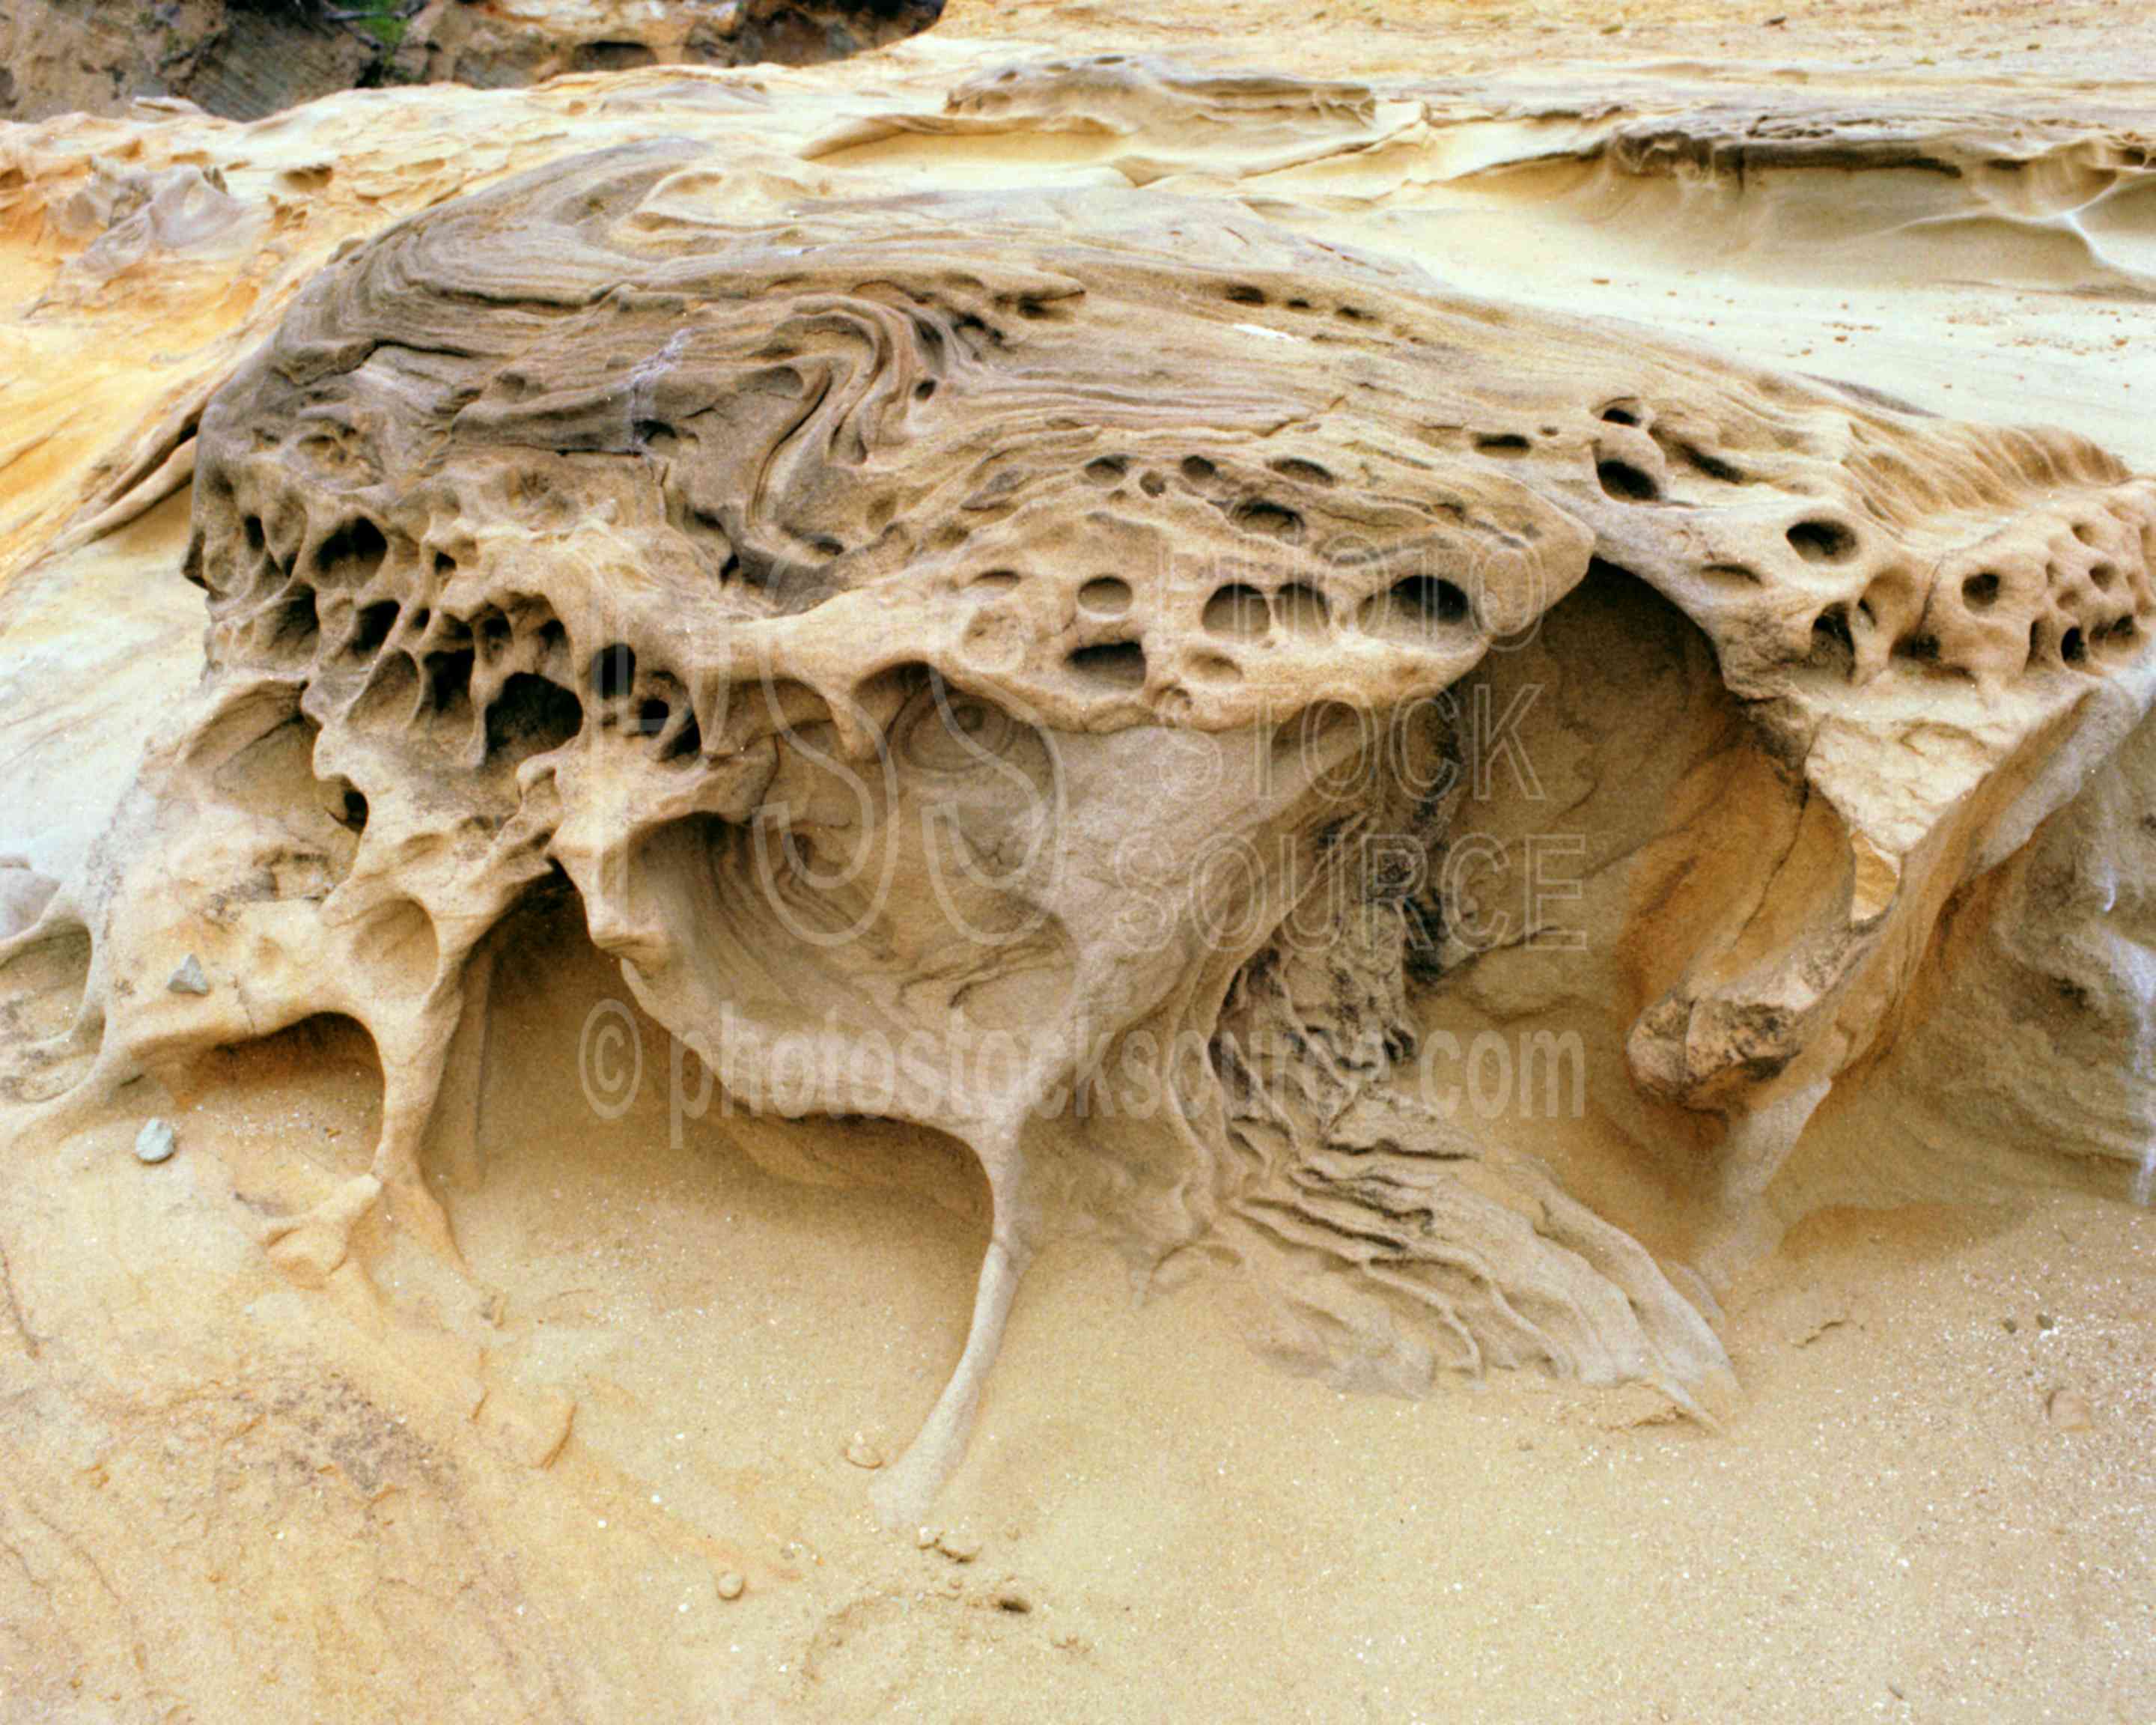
<point>1238,611</point>
<point>448,681</point>
<point>1980,591</point>
<point>530,716</point>
<point>2073,647</point>
<point>1106,596</point>
<point>1626,483</point>
<point>1712,465</point>
<point>1308,472</point>
<point>1260,515</point>
<point>612,671</point>
<point>687,742</point>
<point>296,624</point>
<point>1821,542</point>
<point>370,627</point>
<point>1832,643</point>
<point>1415,609</point>
<point>1120,664</point>
<point>352,553</point>
<point>2102,575</point>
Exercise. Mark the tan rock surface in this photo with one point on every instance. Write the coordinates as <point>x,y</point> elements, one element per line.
<point>558,538</point>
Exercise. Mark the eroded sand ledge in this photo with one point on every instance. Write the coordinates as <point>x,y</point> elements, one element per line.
<point>534,585</point>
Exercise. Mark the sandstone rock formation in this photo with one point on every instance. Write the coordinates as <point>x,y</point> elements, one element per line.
<point>1316,666</point>
<point>828,599</point>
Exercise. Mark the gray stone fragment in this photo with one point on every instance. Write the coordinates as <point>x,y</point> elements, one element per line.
<point>157,1142</point>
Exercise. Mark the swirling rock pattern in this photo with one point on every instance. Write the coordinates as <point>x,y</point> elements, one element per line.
<point>878,614</point>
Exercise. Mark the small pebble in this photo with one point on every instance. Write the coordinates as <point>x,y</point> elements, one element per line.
<point>927,1537</point>
<point>959,1548</point>
<point>157,1142</point>
<point>2069,1410</point>
<point>864,1454</point>
<point>731,1586</point>
<point>188,978</point>
<point>2046,1323</point>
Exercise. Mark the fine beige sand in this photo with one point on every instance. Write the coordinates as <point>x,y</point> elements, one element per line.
<point>620,1471</point>
<point>237,1500</point>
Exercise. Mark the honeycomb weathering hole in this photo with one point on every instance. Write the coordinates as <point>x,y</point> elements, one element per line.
<point>1121,665</point>
<point>1626,482</point>
<point>370,627</point>
<point>1822,542</point>
<point>1106,596</point>
<point>352,555</point>
<point>612,673</point>
<point>1416,609</point>
<point>296,626</point>
<point>1833,645</point>
<point>449,682</point>
<point>532,716</point>
<point>1238,611</point>
<point>1275,521</point>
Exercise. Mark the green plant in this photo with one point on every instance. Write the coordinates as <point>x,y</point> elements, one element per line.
<point>384,21</point>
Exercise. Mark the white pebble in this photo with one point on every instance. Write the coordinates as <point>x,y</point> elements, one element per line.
<point>157,1142</point>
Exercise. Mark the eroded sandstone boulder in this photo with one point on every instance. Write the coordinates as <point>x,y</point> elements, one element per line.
<point>996,665</point>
